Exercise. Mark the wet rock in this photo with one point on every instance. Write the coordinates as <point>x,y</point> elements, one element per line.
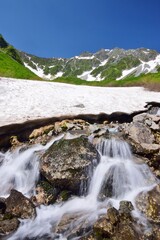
<point>19,206</point>
<point>106,226</point>
<point>156,232</point>
<point>66,164</point>
<point>125,208</point>
<point>149,204</point>
<point>45,194</point>
<point>9,225</point>
<point>42,197</point>
<point>72,227</point>
<point>116,224</point>
<point>126,232</point>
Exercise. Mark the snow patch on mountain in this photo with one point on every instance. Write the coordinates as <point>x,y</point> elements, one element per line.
<point>103,62</point>
<point>84,58</point>
<point>59,74</point>
<point>38,71</point>
<point>127,72</point>
<point>89,77</point>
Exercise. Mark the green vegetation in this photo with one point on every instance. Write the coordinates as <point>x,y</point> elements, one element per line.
<point>11,64</point>
<point>75,67</point>
<point>150,81</point>
<point>12,52</point>
<point>11,68</point>
<point>113,70</point>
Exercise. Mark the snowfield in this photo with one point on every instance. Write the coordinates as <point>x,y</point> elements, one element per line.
<point>21,100</point>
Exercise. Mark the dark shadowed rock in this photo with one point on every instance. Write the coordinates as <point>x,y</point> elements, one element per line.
<point>117,225</point>
<point>125,207</point>
<point>19,206</point>
<point>66,164</point>
<point>2,206</point>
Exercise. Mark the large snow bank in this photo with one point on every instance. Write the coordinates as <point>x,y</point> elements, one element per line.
<point>21,100</point>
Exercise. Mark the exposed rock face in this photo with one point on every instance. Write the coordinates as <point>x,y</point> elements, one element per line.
<point>40,131</point>
<point>149,204</point>
<point>65,170</point>
<point>106,226</point>
<point>19,206</point>
<point>117,224</point>
<point>8,225</point>
<point>73,230</point>
<point>143,134</point>
<point>67,163</point>
<point>14,142</point>
<point>45,194</point>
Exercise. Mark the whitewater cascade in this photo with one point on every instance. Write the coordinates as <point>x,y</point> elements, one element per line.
<point>116,168</point>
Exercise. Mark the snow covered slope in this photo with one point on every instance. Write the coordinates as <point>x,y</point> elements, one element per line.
<point>37,99</point>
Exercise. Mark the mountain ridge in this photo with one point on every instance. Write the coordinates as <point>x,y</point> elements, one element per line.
<point>106,67</point>
<point>104,64</point>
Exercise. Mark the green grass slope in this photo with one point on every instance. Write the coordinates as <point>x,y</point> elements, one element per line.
<point>11,68</point>
<point>150,81</point>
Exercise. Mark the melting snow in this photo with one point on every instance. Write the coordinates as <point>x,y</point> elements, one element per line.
<point>104,62</point>
<point>39,71</point>
<point>126,73</point>
<point>59,74</point>
<point>21,100</point>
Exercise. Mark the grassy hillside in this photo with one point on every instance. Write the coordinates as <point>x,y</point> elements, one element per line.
<point>150,81</point>
<point>11,68</point>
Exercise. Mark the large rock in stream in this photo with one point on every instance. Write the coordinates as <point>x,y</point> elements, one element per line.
<point>14,207</point>
<point>68,164</point>
<point>117,224</point>
<point>19,206</point>
<point>149,204</point>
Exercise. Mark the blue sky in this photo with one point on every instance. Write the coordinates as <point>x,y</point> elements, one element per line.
<point>65,28</point>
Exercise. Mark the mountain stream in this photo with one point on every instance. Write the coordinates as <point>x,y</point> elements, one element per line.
<point>19,169</point>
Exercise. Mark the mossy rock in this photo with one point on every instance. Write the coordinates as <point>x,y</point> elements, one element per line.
<point>66,163</point>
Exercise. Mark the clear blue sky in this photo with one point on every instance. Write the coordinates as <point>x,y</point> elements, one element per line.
<point>65,28</point>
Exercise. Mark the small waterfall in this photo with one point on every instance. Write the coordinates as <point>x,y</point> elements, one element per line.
<point>116,170</point>
<point>19,169</point>
<point>119,171</point>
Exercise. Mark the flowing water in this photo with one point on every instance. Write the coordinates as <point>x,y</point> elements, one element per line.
<point>117,170</point>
